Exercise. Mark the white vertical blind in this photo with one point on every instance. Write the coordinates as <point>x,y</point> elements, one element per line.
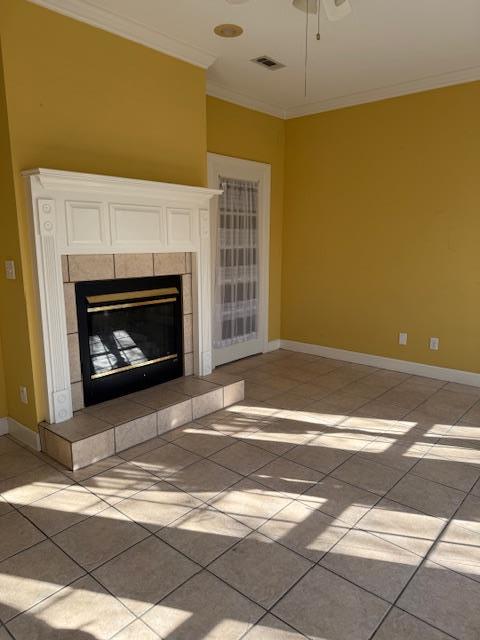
<point>236,275</point>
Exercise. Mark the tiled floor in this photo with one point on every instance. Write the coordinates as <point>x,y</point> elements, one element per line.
<point>338,502</point>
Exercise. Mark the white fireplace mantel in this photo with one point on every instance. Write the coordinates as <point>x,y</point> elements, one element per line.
<point>79,213</point>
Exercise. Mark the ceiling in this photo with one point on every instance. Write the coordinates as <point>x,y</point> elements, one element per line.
<point>383,48</point>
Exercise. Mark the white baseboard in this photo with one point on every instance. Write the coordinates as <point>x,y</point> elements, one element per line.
<point>404,366</point>
<point>3,426</point>
<point>273,345</point>
<point>23,434</point>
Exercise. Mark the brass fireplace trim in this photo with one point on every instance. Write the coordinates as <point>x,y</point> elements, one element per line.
<point>133,366</point>
<point>131,295</point>
<point>127,305</point>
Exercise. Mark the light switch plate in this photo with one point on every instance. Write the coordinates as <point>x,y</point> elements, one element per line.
<point>434,344</point>
<point>10,270</point>
<point>402,338</point>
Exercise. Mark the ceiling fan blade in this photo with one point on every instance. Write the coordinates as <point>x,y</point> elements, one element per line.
<point>337,9</point>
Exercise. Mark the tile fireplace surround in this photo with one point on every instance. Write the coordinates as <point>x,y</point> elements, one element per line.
<point>90,227</point>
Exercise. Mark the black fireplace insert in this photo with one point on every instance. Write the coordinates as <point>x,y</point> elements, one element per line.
<point>131,334</point>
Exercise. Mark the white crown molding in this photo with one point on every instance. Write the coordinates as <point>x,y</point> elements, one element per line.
<point>404,366</point>
<point>56,180</point>
<point>129,29</point>
<point>374,95</point>
<point>216,91</point>
<point>383,93</point>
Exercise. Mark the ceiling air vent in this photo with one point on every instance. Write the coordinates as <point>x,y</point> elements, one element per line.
<point>268,63</point>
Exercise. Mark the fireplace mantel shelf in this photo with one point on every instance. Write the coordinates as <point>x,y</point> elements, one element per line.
<point>80,213</point>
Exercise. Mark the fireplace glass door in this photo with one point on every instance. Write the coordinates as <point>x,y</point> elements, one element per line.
<point>130,335</point>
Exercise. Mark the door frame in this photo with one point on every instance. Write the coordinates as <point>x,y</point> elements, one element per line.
<point>246,170</point>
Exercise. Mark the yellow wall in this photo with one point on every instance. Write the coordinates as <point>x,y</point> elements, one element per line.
<point>3,393</point>
<point>382,227</point>
<point>81,99</point>
<point>243,133</point>
<point>13,316</point>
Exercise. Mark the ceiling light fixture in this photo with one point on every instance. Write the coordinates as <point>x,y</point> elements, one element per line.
<point>228,30</point>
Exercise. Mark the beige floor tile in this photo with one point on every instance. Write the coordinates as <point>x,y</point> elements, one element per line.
<point>373,563</point>
<point>33,485</point>
<point>399,456</point>
<point>8,445</point>
<point>64,508</point>
<point>206,608</point>
<point>144,574</point>
<point>339,500</point>
<point>203,442</point>
<point>16,534</point>
<point>81,426</point>
<point>468,516</point>
<point>138,630</point>
<point>459,475</point>
<point>204,479</point>
<point>286,477</point>
<point>158,397</point>
<point>324,605</point>
<point>273,440</point>
<point>33,575</point>
<point>203,534</point>
<point>166,460</point>
<point>402,525</point>
<point>426,496</point>
<point>158,506</point>
<point>316,456</point>
<point>4,635</point>
<point>81,611</point>
<point>250,503</point>
<point>304,530</point>
<point>476,489</point>
<point>120,482</point>
<point>242,458</point>
<point>271,628</point>
<point>445,599</point>
<point>458,549</point>
<point>4,507</point>
<point>140,449</point>
<point>99,538</point>
<point>260,569</point>
<point>400,625</point>
<point>118,411</point>
<point>17,461</point>
<point>136,431</point>
<point>94,469</point>
<point>368,475</point>
<point>290,400</point>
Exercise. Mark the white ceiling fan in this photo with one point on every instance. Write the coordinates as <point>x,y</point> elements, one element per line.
<point>335,9</point>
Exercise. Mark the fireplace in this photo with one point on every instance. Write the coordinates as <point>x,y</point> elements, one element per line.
<point>130,334</point>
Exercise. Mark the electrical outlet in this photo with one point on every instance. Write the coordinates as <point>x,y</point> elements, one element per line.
<point>402,338</point>
<point>10,270</point>
<point>24,395</point>
<point>434,344</point>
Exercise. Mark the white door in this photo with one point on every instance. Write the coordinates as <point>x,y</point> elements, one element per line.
<point>240,257</point>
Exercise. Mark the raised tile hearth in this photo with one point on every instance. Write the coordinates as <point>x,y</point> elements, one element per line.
<point>103,430</point>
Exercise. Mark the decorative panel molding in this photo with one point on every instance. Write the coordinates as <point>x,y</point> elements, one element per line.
<point>78,213</point>
<point>136,225</point>
<point>85,223</point>
<point>180,226</point>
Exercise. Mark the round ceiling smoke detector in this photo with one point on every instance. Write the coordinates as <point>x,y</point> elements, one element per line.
<point>228,30</point>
